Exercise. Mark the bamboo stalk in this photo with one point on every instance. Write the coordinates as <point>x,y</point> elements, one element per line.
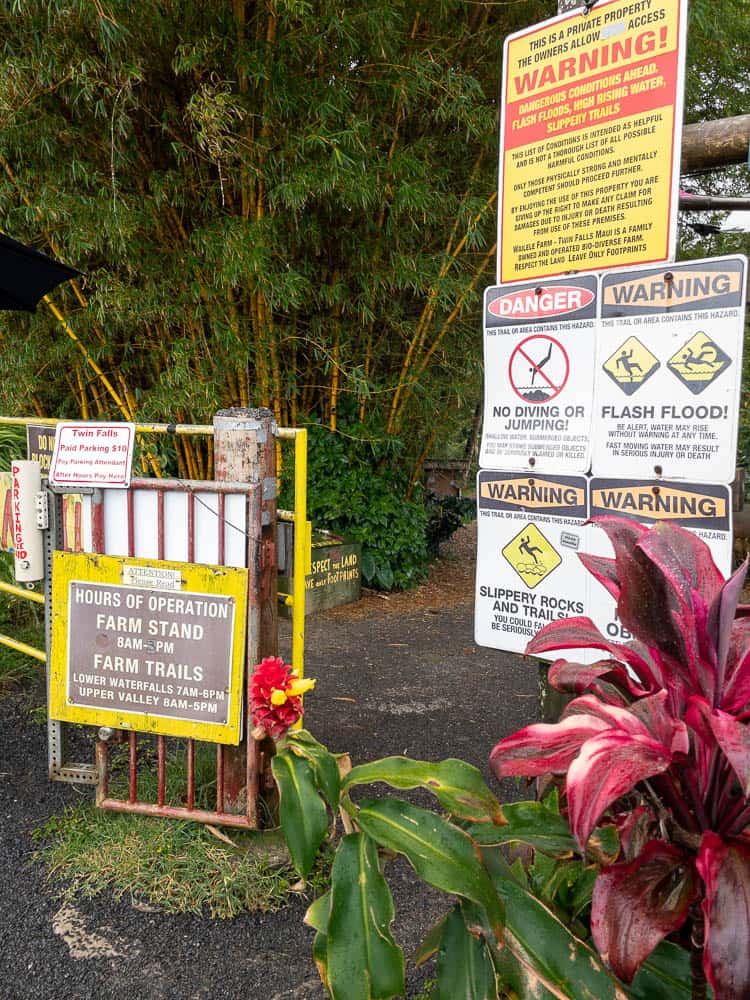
<point>428,312</point>
<point>84,406</point>
<point>422,365</point>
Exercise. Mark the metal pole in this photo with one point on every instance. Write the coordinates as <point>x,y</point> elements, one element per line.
<point>245,452</point>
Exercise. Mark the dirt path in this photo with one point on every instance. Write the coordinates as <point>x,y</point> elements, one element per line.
<point>395,675</point>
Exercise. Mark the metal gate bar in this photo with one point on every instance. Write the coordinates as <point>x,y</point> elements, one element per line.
<point>160,807</point>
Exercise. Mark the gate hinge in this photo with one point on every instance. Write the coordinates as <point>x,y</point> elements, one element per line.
<point>42,510</point>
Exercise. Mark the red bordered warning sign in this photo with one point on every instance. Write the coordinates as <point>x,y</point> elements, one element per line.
<point>538,369</point>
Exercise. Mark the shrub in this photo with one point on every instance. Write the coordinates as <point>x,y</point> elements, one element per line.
<point>357,489</point>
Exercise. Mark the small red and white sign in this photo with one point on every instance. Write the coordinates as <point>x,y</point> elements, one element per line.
<point>533,303</point>
<point>538,378</point>
<point>92,454</point>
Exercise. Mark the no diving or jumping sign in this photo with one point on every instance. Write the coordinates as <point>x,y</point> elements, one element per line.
<point>538,369</point>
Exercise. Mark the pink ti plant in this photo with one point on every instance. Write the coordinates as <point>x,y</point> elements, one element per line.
<point>657,742</point>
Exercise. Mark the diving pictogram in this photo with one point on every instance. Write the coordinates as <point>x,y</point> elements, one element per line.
<point>531,555</point>
<point>631,365</point>
<point>698,362</point>
<point>538,368</point>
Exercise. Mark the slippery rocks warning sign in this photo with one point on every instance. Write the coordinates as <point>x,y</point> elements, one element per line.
<point>528,532</point>
<point>538,344</point>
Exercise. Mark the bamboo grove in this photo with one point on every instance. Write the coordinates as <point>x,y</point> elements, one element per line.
<point>278,204</point>
<point>283,204</point>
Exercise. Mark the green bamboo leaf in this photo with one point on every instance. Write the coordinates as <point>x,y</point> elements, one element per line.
<point>459,787</point>
<point>528,823</point>
<point>325,769</point>
<point>439,852</point>
<point>303,816</point>
<point>363,962</point>
<point>464,966</point>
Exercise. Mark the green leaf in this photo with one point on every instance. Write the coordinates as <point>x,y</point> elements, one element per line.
<point>317,917</point>
<point>528,823</point>
<point>459,787</point>
<point>384,575</point>
<point>604,845</point>
<point>368,565</point>
<point>439,852</point>
<point>363,962</point>
<point>430,942</point>
<point>317,912</point>
<point>304,820</point>
<point>324,767</point>
<point>546,954</point>
<point>664,975</point>
<point>464,966</point>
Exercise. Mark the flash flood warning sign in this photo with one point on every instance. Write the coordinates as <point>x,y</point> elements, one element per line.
<point>668,370</point>
<point>538,395</point>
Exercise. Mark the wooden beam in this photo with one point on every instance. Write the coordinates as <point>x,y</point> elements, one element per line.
<point>715,144</point>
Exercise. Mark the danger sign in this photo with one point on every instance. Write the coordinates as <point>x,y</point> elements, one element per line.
<point>538,345</point>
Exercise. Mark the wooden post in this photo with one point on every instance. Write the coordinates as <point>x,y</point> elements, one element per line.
<point>245,452</point>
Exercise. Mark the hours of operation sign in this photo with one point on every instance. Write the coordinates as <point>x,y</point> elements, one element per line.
<point>164,661</point>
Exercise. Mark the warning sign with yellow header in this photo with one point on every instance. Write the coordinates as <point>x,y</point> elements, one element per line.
<point>590,139</point>
<point>668,370</point>
<point>703,508</point>
<point>529,530</point>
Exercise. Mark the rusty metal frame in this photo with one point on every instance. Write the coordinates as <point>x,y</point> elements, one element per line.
<point>99,773</point>
<point>61,768</point>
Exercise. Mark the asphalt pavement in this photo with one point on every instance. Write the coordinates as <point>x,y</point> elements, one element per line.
<point>411,682</point>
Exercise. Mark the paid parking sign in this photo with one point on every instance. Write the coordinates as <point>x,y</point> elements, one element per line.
<point>538,344</point>
<point>529,531</point>
<point>668,370</point>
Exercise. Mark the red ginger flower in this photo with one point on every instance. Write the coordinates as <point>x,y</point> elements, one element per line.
<point>275,696</point>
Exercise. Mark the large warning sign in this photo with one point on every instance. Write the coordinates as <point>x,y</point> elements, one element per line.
<point>529,531</point>
<point>668,370</point>
<point>538,345</point>
<point>590,139</point>
<point>705,509</point>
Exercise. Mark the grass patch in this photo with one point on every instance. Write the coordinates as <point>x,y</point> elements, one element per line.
<point>179,866</point>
